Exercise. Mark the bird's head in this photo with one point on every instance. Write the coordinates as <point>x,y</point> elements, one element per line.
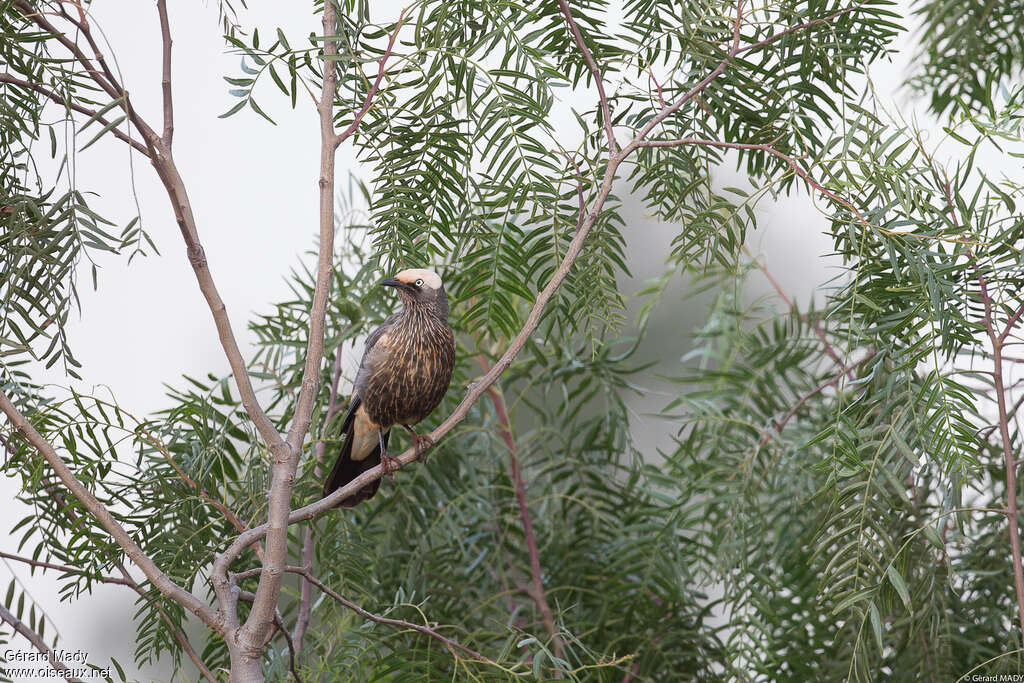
<point>420,287</point>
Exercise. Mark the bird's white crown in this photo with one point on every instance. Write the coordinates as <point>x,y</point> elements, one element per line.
<point>429,277</point>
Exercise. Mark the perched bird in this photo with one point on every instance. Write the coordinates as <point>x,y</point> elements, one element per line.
<point>405,371</point>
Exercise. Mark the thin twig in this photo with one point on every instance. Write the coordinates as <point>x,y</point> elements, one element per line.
<point>341,137</point>
<point>37,642</point>
<point>657,85</point>
<point>64,568</point>
<point>178,633</point>
<point>594,72</point>
<point>451,644</point>
<point>798,170</point>
<point>279,626</point>
<point>814,392</point>
<point>39,19</point>
<point>766,435</point>
<point>1013,320</point>
<point>665,112</point>
<point>792,29</point>
<point>283,628</point>
<point>816,324</point>
<point>56,97</point>
<point>536,586</point>
<point>579,191</point>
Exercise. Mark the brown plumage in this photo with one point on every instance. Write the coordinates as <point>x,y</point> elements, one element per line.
<point>404,373</point>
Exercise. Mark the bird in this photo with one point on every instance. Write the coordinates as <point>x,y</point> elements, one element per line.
<point>404,373</point>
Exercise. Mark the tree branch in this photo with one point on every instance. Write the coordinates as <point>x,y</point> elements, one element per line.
<point>178,634</point>
<point>37,641</point>
<point>798,170</point>
<point>594,72</point>
<point>1009,462</point>
<point>156,576</point>
<point>165,36</point>
<point>344,135</point>
<point>106,80</point>
<point>39,19</point>
<point>160,155</point>
<point>249,596</point>
<point>665,112</point>
<point>536,586</point>
<point>306,592</point>
<point>64,568</point>
<point>811,394</point>
<point>829,349</point>
<point>451,644</point>
<point>1011,322</point>
<point>56,97</point>
<point>282,478</point>
<point>205,495</point>
<point>126,580</point>
<point>793,29</point>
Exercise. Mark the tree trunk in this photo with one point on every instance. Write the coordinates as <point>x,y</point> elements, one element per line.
<point>245,667</point>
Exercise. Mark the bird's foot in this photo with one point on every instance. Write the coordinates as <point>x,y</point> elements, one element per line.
<point>422,444</point>
<point>390,465</point>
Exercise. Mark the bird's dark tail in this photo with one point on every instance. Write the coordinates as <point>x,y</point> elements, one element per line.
<point>346,469</point>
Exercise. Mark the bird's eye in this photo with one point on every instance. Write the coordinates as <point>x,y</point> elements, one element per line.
<point>419,283</point>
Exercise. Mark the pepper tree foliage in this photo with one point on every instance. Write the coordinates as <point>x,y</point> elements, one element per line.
<point>834,503</point>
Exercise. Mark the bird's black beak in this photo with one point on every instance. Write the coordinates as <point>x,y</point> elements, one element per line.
<point>392,282</point>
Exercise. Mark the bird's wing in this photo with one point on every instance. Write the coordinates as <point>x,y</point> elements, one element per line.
<point>374,352</point>
<point>371,340</point>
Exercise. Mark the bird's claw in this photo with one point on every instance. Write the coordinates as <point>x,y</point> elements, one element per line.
<point>422,443</point>
<point>390,465</point>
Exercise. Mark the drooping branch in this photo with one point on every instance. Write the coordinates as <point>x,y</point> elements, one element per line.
<point>37,641</point>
